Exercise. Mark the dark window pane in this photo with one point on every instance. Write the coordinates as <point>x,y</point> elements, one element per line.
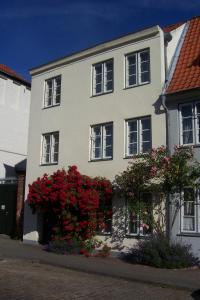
<point>145,77</point>
<point>97,153</point>
<point>187,137</point>
<point>109,66</point>
<point>98,69</point>
<point>132,80</point>
<point>109,86</point>
<point>132,70</point>
<point>132,60</point>
<point>186,111</point>
<point>146,146</point>
<point>132,126</point>
<point>98,88</point>
<point>144,56</point>
<point>133,137</point>
<point>145,66</point>
<point>187,124</point>
<point>108,151</point>
<point>146,135</point>
<point>132,149</point>
<point>146,124</point>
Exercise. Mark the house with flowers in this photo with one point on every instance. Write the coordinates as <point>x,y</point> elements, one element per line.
<point>96,109</point>
<point>182,94</point>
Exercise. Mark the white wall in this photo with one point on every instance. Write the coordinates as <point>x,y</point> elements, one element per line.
<point>78,110</point>
<point>14,118</point>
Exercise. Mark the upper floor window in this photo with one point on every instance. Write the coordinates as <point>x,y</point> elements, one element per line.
<point>52,91</point>
<point>190,211</point>
<point>138,136</point>
<point>101,141</point>
<point>139,216</point>
<point>190,123</point>
<point>103,77</point>
<point>50,148</point>
<point>138,68</point>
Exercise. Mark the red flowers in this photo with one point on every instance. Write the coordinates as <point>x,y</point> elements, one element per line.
<point>74,199</point>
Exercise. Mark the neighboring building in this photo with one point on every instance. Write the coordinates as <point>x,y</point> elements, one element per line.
<point>183,106</point>
<point>14,118</point>
<point>97,108</point>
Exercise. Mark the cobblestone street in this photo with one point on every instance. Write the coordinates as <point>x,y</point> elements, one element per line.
<point>22,280</point>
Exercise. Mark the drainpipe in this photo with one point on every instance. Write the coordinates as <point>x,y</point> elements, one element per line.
<point>167,39</point>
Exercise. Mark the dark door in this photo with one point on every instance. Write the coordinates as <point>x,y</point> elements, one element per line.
<point>8,197</point>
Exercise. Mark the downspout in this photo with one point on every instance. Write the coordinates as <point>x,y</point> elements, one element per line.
<point>168,77</point>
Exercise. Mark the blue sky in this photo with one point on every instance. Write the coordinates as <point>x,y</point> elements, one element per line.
<point>34,32</point>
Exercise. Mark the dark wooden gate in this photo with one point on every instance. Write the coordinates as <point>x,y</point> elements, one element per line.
<point>8,197</point>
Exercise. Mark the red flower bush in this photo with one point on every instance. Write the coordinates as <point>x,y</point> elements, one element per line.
<point>75,200</point>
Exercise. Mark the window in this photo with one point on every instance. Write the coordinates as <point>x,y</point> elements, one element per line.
<point>139,216</point>
<point>138,136</point>
<point>103,77</point>
<point>138,68</point>
<point>190,123</point>
<point>190,211</point>
<point>101,141</point>
<point>104,216</point>
<point>50,148</point>
<point>52,91</point>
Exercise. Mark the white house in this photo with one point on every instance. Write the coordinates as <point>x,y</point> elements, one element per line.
<point>14,118</point>
<point>95,109</point>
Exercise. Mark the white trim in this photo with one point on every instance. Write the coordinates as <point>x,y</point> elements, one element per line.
<point>102,142</point>
<point>194,123</point>
<point>138,72</point>
<point>103,77</point>
<point>51,136</point>
<point>139,141</point>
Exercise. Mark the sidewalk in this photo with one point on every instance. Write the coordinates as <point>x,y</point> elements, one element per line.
<point>113,267</point>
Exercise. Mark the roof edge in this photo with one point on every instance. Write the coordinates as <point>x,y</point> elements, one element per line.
<point>125,39</point>
<point>16,78</point>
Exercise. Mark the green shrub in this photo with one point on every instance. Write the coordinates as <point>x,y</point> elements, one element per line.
<point>160,253</point>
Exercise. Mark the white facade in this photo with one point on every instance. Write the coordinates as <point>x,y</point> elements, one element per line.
<point>80,110</point>
<point>14,118</point>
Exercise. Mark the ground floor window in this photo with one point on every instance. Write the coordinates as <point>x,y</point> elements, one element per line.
<point>104,216</point>
<point>190,211</point>
<point>139,216</point>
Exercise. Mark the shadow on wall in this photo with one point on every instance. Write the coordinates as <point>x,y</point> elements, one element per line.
<point>118,232</point>
<point>158,107</point>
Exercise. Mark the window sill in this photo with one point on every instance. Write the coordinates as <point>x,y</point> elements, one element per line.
<point>136,236</point>
<point>101,159</point>
<point>50,164</point>
<point>104,233</point>
<point>134,86</point>
<point>189,234</point>
<point>46,107</point>
<point>190,145</point>
<point>101,94</point>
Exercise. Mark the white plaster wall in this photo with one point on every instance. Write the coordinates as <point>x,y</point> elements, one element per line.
<point>14,118</point>
<point>171,48</point>
<point>78,110</point>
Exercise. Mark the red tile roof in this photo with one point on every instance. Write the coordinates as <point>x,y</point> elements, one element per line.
<point>7,71</point>
<point>187,72</point>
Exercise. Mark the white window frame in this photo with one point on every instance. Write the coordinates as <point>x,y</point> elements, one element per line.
<point>138,68</point>
<point>139,135</point>
<point>54,92</point>
<point>196,140</point>
<point>139,228</point>
<point>196,214</point>
<point>104,81</point>
<point>102,143</point>
<point>52,152</point>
